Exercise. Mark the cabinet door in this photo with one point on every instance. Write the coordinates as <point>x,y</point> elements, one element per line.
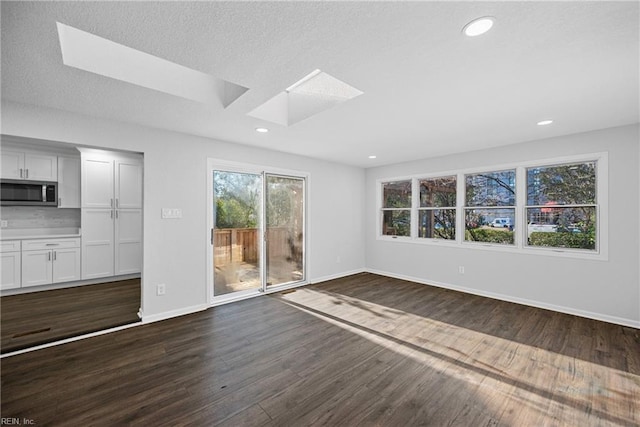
<point>66,265</point>
<point>41,167</point>
<point>11,277</point>
<point>97,243</point>
<point>12,164</point>
<point>68,182</point>
<point>128,184</point>
<point>36,268</point>
<point>97,183</point>
<point>128,241</point>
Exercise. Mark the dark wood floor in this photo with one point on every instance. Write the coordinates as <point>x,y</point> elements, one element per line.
<point>41,317</point>
<point>363,350</point>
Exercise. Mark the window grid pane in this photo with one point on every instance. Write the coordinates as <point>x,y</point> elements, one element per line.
<point>437,223</point>
<point>490,225</point>
<point>396,222</point>
<point>438,192</point>
<point>396,194</point>
<point>491,189</point>
<point>561,209</point>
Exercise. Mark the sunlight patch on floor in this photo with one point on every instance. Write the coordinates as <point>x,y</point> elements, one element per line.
<point>489,364</point>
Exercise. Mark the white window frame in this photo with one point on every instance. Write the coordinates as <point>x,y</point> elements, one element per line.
<point>418,208</point>
<point>514,207</point>
<point>382,209</point>
<point>520,245</point>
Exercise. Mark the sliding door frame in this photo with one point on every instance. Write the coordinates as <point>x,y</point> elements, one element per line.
<point>264,171</point>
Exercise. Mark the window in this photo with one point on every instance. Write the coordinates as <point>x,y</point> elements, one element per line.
<point>437,210</point>
<point>396,208</point>
<point>490,207</point>
<point>550,207</point>
<point>561,206</point>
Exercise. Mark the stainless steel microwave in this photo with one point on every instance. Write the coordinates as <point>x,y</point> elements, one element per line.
<point>28,193</point>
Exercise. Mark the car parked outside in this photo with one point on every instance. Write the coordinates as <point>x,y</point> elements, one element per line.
<point>502,223</point>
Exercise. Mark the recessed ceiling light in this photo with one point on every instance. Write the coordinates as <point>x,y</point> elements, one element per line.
<point>544,122</point>
<point>372,157</point>
<point>478,26</point>
<point>262,130</point>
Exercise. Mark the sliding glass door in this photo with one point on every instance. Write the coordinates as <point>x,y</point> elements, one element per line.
<point>237,222</point>
<point>257,226</point>
<point>284,229</point>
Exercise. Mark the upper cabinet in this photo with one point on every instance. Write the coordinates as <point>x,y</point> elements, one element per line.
<point>128,184</point>
<point>68,182</point>
<point>111,183</point>
<point>29,165</point>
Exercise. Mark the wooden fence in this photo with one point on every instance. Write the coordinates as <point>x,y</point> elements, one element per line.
<point>235,245</point>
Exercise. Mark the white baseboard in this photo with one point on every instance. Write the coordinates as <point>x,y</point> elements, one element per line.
<point>173,313</point>
<point>337,275</point>
<point>532,303</point>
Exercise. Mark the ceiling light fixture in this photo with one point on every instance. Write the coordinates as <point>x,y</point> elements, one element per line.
<point>478,26</point>
<point>544,122</point>
<point>262,130</point>
<point>372,157</point>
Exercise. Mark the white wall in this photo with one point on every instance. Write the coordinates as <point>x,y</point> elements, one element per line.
<point>607,290</point>
<point>175,176</point>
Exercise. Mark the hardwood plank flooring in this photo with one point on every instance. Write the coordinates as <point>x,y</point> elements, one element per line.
<point>362,350</point>
<point>40,317</point>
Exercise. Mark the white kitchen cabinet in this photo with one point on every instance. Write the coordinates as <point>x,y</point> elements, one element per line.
<point>111,214</point>
<point>11,271</point>
<point>98,247</point>
<point>12,164</point>
<point>97,182</point>
<point>37,268</point>
<point>68,182</point>
<point>128,241</point>
<point>29,165</point>
<point>49,261</point>
<point>128,184</point>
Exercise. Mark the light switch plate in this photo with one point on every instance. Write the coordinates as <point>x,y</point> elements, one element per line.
<point>171,213</point>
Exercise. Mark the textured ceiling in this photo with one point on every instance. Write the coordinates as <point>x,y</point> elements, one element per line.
<point>428,90</point>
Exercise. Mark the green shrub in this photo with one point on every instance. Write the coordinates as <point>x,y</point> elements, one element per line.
<point>489,235</point>
<point>563,240</point>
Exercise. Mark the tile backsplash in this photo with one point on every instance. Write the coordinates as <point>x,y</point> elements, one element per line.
<point>20,217</point>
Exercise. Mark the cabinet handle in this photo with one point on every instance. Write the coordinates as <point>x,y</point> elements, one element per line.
<point>111,214</point>
<point>117,214</point>
<point>52,244</point>
<point>26,173</point>
<point>48,256</point>
<point>54,255</point>
<point>21,173</point>
<point>111,202</point>
<point>117,202</point>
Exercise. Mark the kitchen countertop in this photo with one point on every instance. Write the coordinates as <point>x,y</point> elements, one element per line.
<point>38,233</point>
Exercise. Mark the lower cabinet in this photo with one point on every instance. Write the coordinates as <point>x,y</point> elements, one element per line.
<point>11,271</point>
<point>50,261</point>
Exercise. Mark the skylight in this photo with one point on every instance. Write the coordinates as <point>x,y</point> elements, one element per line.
<point>313,94</point>
<point>98,55</point>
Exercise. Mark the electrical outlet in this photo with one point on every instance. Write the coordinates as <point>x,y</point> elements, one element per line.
<point>160,289</point>
<point>461,269</point>
<point>4,223</point>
